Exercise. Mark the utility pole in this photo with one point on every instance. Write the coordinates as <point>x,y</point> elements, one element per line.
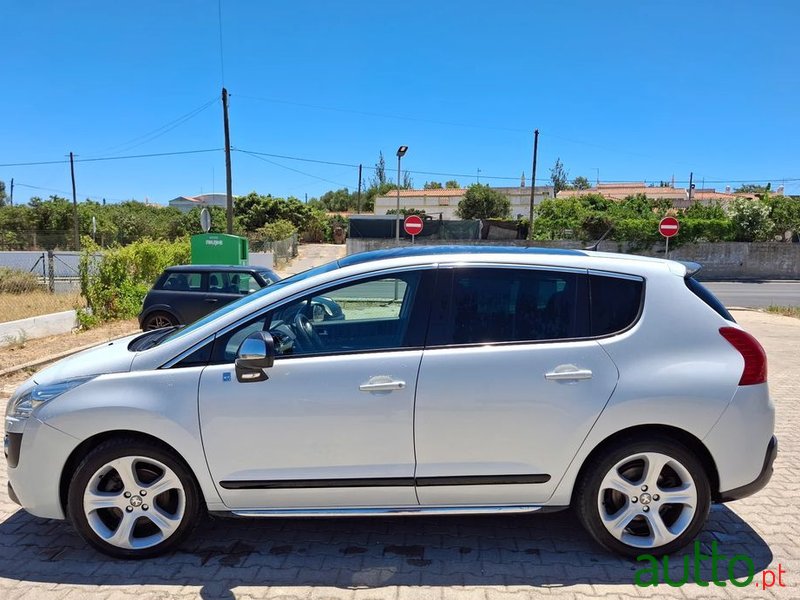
<point>691,185</point>
<point>358,196</point>
<point>75,236</point>
<point>228,183</point>
<point>11,197</point>
<point>533,181</point>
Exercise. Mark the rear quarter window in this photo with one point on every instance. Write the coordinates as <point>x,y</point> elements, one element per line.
<point>616,302</point>
<point>702,292</point>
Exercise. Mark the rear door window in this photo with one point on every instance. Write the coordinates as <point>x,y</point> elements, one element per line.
<point>616,302</point>
<point>483,305</point>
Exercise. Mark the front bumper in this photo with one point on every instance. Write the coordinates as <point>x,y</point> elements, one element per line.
<point>34,483</point>
<point>760,482</point>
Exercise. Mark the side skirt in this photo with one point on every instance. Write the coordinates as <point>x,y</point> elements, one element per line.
<point>385,511</point>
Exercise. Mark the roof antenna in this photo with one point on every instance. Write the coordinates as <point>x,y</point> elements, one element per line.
<point>596,245</point>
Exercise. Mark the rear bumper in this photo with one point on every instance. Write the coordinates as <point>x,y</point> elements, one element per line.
<point>759,482</point>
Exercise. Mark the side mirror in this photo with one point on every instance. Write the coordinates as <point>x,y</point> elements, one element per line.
<point>256,353</point>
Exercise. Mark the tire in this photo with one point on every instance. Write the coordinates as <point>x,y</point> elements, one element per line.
<point>622,496</point>
<point>106,505</point>
<point>157,320</point>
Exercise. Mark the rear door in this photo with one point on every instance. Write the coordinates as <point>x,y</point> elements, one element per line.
<point>182,290</point>
<point>509,386</point>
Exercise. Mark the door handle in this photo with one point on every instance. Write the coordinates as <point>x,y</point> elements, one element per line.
<point>568,373</point>
<point>382,384</point>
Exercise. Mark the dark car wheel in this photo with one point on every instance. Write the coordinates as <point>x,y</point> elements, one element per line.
<point>133,499</point>
<point>648,494</point>
<point>159,320</point>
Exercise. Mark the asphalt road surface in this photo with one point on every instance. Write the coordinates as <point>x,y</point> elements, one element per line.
<point>756,294</point>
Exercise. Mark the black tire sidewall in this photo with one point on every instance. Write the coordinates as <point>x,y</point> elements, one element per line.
<point>596,470</point>
<point>159,313</point>
<point>112,450</point>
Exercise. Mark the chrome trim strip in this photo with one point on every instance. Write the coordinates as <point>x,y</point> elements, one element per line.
<point>387,511</point>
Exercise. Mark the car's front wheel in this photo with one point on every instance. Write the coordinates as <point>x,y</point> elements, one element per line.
<point>132,499</point>
<point>158,320</point>
<point>648,495</point>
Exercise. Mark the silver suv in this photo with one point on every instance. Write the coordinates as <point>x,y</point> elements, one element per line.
<point>459,380</point>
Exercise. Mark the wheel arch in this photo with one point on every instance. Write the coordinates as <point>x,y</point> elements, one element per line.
<point>86,446</point>
<point>680,435</point>
<point>160,308</point>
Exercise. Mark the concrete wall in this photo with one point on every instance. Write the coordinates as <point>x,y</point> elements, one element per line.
<point>37,327</point>
<point>262,259</point>
<point>722,260</point>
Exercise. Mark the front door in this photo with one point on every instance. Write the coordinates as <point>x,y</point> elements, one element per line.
<point>507,390</point>
<point>332,426</point>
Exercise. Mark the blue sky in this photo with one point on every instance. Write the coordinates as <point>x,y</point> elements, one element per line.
<point>638,90</point>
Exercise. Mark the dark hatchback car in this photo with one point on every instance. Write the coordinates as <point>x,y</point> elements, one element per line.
<point>185,293</point>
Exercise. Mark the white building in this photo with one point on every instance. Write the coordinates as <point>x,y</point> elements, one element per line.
<point>444,202</point>
<point>187,203</point>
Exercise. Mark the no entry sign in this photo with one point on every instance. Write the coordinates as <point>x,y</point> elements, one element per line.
<point>668,227</point>
<point>413,225</point>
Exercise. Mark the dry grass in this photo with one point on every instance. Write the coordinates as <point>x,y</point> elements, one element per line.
<point>31,304</point>
<point>787,311</point>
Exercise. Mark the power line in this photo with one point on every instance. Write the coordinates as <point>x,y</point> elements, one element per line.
<point>107,158</point>
<point>47,189</point>
<point>272,162</point>
<point>355,166</point>
<point>159,131</point>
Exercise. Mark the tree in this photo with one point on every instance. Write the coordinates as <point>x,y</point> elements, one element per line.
<point>407,181</point>
<point>558,175</point>
<point>581,183</point>
<point>482,202</point>
<point>785,213</point>
<point>752,188</point>
<point>751,221</point>
<point>452,185</point>
<point>432,185</point>
<point>2,193</point>
<point>379,178</point>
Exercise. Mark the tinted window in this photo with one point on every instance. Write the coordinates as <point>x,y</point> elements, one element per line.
<point>183,282</point>
<point>615,302</point>
<point>487,305</point>
<point>706,296</point>
<point>225,282</point>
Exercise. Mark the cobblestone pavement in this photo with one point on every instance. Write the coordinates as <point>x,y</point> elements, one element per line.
<point>487,558</point>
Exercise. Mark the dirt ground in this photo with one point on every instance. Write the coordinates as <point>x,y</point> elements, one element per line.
<point>39,348</point>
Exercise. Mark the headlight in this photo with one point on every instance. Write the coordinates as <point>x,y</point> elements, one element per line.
<point>22,406</point>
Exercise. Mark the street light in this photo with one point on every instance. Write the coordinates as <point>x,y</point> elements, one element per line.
<point>401,152</point>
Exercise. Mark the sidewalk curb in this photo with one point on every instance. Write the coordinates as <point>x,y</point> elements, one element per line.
<point>58,356</point>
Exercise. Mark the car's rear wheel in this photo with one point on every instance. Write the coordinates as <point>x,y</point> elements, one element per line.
<point>132,499</point>
<point>159,320</point>
<point>648,495</point>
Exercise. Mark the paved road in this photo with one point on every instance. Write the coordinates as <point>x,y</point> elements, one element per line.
<point>485,558</point>
<point>753,294</point>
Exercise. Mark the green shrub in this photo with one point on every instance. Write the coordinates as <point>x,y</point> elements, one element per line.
<point>13,281</point>
<point>115,281</point>
<point>278,230</point>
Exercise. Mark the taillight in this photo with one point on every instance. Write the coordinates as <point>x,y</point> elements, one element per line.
<point>755,359</point>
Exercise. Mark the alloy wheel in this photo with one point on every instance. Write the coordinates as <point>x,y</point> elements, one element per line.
<point>647,500</point>
<point>134,502</point>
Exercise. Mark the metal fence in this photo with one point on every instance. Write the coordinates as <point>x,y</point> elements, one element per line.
<point>37,283</point>
<point>282,250</point>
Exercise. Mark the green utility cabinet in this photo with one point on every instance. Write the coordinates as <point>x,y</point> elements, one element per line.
<point>219,249</point>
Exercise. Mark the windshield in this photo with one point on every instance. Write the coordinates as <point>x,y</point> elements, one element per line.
<point>255,296</point>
